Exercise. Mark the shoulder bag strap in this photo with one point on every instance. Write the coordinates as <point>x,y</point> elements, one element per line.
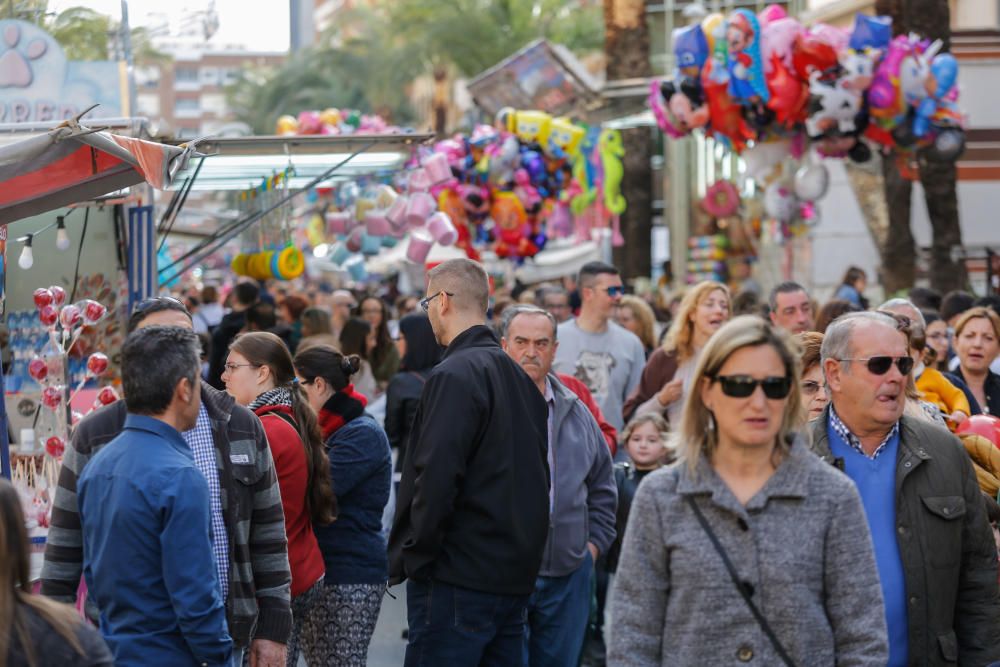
<point>739,584</point>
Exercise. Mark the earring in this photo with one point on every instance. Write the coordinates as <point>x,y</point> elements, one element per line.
<point>711,422</point>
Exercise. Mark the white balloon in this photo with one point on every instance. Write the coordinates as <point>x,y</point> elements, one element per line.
<point>761,158</point>
<point>811,182</point>
<point>779,202</point>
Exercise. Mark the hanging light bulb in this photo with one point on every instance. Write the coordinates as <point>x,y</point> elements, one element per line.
<point>62,237</point>
<point>27,259</point>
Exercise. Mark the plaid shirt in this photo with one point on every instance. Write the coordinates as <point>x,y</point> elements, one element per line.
<point>853,440</point>
<point>199,439</point>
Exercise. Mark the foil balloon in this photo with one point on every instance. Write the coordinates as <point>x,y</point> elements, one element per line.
<point>685,106</point>
<point>874,32</point>
<point>727,121</point>
<point>779,202</point>
<point>812,182</point>
<point>764,156</point>
<point>771,13</point>
<point>746,69</point>
<point>42,297</point>
<point>789,96</point>
<point>690,49</point>
<point>828,34</point>
<point>287,125</point>
<point>778,40</point>
<point>833,107</point>
<point>811,54</point>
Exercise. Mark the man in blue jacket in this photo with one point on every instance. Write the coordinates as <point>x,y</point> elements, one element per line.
<point>144,513</point>
<point>582,500</point>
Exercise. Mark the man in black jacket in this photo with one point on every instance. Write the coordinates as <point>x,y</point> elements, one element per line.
<point>473,511</point>
<point>245,295</point>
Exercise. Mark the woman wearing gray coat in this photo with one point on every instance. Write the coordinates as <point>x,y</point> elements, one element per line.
<point>791,528</point>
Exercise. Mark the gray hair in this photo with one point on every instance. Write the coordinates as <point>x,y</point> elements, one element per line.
<point>895,304</point>
<point>466,281</point>
<point>546,291</point>
<point>510,312</point>
<point>837,339</point>
<point>154,360</point>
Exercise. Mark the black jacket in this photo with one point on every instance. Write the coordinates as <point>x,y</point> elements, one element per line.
<point>992,390</point>
<point>473,505</point>
<point>946,545</point>
<point>50,649</point>
<point>222,337</point>
<point>401,400</point>
<point>627,480</point>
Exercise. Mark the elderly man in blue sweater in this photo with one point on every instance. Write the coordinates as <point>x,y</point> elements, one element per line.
<point>582,498</point>
<point>144,513</point>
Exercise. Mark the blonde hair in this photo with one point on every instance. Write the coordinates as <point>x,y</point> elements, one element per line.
<point>644,314</point>
<point>648,418</point>
<point>977,313</point>
<point>680,337</point>
<point>695,437</point>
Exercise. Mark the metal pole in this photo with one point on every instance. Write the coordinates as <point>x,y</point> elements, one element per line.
<point>126,37</point>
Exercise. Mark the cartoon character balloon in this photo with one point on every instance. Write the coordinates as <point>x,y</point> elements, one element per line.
<point>745,64</point>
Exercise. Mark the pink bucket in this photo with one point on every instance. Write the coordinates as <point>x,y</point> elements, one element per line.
<point>339,222</point>
<point>420,246</point>
<point>420,207</point>
<point>420,181</point>
<point>397,211</point>
<point>442,229</point>
<point>437,168</point>
<point>376,224</point>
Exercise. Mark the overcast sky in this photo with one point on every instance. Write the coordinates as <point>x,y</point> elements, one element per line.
<point>258,26</point>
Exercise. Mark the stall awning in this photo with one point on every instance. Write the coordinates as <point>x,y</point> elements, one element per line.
<point>72,163</point>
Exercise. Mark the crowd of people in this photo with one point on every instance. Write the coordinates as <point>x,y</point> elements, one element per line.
<point>573,476</point>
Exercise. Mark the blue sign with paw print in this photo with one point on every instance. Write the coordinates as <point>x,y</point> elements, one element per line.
<point>38,84</point>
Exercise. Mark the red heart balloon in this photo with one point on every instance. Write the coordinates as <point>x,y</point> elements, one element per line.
<point>55,446</point>
<point>58,295</point>
<point>48,315</point>
<point>97,363</point>
<point>52,397</point>
<point>107,396</point>
<point>43,297</point>
<point>38,369</point>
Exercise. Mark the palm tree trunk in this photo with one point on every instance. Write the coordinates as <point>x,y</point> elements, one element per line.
<point>626,45</point>
<point>898,251</point>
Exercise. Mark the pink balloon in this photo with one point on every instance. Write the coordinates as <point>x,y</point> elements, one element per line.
<point>772,13</point>
<point>838,38</point>
<point>778,37</point>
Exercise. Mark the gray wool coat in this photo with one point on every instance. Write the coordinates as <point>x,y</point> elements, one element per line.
<point>801,543</point>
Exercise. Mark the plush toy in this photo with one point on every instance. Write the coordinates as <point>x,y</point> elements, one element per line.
<point>746,74</point>
<point>612,151</point>
<point>690,50</point>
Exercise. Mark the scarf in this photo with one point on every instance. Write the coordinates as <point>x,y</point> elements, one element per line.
<point>341,408</point>
<point>276,396</point>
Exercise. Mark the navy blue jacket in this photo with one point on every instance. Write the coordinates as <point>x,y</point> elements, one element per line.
<point>147,552</point>
<point>353,546</point>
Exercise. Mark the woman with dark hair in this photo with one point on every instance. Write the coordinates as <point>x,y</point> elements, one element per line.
<point>420,351</point>
<point>34,630</point>
<point>259,374</point>
<point>354,548</point>
<point>852,287</point>
<point>354,342</point>
<point>831,311</point>
<point>291,311</point>
<point>382,354</point>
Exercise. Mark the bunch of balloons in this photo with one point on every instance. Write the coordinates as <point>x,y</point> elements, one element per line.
<point>758,78</point>
<point>336,121</point>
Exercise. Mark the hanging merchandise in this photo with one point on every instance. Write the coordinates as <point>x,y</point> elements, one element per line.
<point>707,258</point>
<point>748,79</point>
<point>269,251</point>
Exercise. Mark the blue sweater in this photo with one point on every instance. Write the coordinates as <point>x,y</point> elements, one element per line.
<point>147,550</point>
<point>353,546</point>
<point>876,482</point>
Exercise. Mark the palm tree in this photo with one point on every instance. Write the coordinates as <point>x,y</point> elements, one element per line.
<point>932,19</point>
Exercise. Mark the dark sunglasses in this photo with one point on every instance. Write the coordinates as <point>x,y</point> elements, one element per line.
<point>881,365</point>
<point>743,386</point>
<point>616,290</point>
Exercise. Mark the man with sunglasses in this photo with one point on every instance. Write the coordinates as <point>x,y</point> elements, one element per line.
<point>248,528</point>
<point>933,547</point>
<point>603,355</point>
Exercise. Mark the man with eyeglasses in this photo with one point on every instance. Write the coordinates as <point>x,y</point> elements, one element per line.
<point>554,299</point>
<point>472,515</point>
<point>603,355</point>
<point>933,546</point>
<point>248,527</point>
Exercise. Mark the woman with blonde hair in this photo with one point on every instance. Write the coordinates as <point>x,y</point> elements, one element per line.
<point>637,316</point>
<point>751,547</point>
<point>666,378</point>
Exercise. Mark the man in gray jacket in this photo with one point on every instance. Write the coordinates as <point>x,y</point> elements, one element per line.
<point>582,498</point>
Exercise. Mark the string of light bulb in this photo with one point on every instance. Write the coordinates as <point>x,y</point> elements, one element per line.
<point>27,258</point>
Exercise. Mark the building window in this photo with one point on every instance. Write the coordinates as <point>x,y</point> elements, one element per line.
<point>187,108</point>
<point>186,75</point>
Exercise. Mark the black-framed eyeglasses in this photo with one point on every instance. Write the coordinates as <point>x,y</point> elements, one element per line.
<point>230,368</point>
<point>426,303</point>
<point>743,386</point>
<point>810,387</point>
<point>881,365</point>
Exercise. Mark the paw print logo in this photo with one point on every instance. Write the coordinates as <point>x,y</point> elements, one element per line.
<point>15,63</point>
